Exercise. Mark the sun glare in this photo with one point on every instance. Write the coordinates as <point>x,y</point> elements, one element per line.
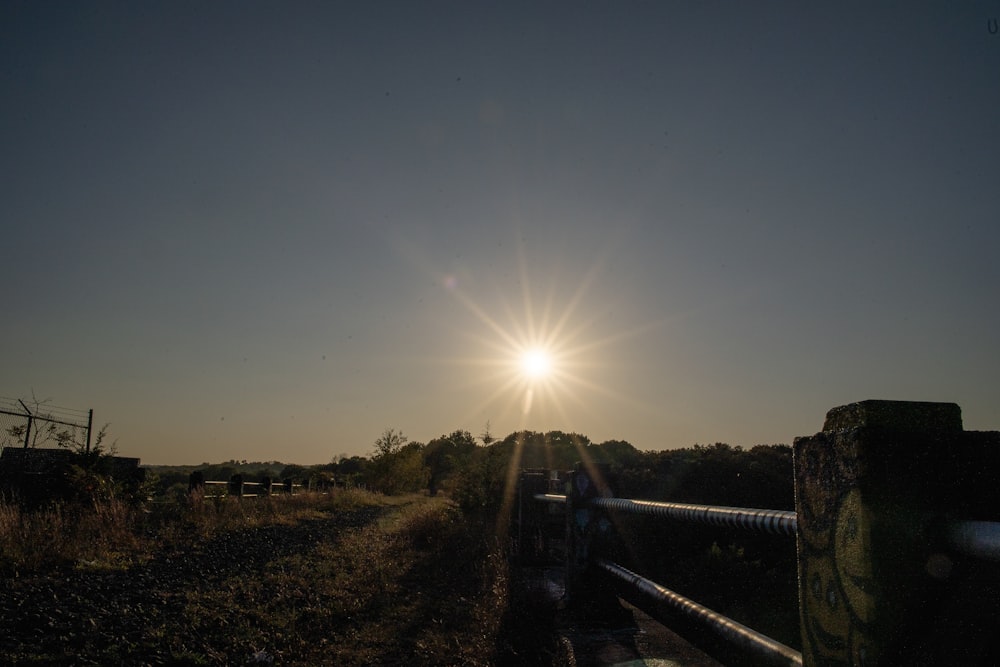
<point>538,360</point>
<point>536,363</point>
<point>541,361</point>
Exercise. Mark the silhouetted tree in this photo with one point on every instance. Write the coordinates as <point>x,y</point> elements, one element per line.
<point>618,453</point>
<point>397,466</point>
<point>487,437</point>
<point>389,442</point>
<point>444,455</point>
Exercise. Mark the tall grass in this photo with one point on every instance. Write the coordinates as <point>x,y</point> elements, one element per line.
<point>412,582</point>
<point>104,533</point>
<point>112,533</point>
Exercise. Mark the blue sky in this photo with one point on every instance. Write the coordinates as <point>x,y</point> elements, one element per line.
<point>272,230</point>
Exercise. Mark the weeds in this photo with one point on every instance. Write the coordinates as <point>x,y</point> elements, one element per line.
<point>352,578</point>
<point>63,535</point>
<point>114,532</point>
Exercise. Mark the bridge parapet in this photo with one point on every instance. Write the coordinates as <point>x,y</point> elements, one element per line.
<point>876,492</point>
<point>897,527</point>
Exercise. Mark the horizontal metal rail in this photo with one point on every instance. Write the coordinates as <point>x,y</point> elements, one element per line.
<point>775,522</point>
<point>980,539</point>
<point>277,489</point>
<point>768,651</point>
<point>274,485</point>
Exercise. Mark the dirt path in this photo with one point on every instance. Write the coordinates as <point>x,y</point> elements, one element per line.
<point>141,615</point>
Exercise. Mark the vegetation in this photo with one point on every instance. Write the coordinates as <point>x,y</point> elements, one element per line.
<point>316,578</point>
<point>354,579</point>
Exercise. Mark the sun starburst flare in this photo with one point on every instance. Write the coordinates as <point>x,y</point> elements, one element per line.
<point>536,363</point>
<point>543,360</point>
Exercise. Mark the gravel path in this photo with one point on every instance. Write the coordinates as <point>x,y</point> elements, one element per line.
<point>136,617</point>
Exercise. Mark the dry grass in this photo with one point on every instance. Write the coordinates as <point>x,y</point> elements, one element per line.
<point>410,588</point>
<point>104,533</point>
<point>115,533</point>
<point>377,581</point>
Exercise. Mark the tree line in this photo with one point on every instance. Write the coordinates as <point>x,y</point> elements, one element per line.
<point>474,470</point>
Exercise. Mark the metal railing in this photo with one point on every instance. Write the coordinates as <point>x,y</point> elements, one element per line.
<point>238,487</point>
<point>774,522</point>
<point>749,641</point>
<point>764,649</point>
<point>880,494</point>
<point>977,539</point>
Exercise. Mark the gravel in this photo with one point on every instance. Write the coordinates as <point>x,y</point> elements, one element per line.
<point>136,616</point>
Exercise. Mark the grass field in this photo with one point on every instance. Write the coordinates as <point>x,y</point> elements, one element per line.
<point>348,579</point>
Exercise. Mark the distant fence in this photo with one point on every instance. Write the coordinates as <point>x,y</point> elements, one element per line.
<point>897,527</point>
<point>238,487</point>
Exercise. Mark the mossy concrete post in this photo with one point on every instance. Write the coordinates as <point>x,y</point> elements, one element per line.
<point>873,492</point>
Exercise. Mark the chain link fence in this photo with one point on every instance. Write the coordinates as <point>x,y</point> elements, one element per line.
<point>38,424</point>
<point>12,429</point>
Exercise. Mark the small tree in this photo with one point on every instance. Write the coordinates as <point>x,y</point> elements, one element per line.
<point>71,440</point>
<point>486,436</point>
<point>398,465</point>
<point>442,456</point>
<point>390,442</point>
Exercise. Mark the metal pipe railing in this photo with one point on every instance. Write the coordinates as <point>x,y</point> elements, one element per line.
<point>980,539</point>
<point>764,649</point>
<point>774,522</point>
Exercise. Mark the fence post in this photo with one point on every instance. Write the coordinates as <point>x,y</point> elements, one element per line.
<point>586,529</point>
<point>236,485</point>
<point>90,426</point>
<point>196,481</point>
<point>27,431</point>
<point>876,584</point>
<point>530,514</point>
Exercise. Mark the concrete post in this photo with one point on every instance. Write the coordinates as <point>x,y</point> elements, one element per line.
<point>586,530</point>
<point>529,515</point>
<point>873,491</point>
<point>196,481</point>
<point>236,485</point>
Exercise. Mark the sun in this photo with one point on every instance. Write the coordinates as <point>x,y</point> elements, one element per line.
<point>536,363</point>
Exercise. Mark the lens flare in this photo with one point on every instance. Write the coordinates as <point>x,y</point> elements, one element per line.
<point>536,363</point>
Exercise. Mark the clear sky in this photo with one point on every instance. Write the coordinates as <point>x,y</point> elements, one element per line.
<point>272,230</point>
